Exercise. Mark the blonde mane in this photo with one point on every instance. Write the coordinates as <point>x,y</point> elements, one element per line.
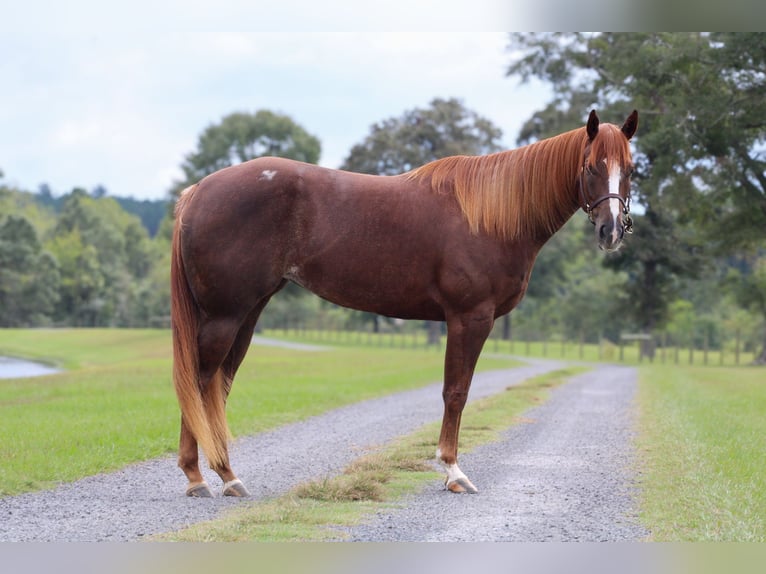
<point>524,191</point>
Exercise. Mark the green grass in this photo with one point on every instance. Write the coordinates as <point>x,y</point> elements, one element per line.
<point>115,404</point>
<point>86,348</point>
<point>702,453</point>
<point>319,510</point>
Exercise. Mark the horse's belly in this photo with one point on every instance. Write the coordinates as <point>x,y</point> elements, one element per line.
<point>381,289</point>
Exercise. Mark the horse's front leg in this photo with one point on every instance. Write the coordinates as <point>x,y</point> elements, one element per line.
<point>466,334</point>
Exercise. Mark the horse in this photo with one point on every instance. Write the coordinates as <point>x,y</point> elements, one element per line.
<point>454,240</point>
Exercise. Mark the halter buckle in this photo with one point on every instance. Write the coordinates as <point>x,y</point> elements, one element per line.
<point>627,222</point>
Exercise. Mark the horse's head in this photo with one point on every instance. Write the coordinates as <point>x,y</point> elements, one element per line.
<point>604,183</point>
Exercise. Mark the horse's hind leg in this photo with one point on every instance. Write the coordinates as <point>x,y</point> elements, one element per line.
<point>215,339</point>
<point>188,460</point>
<point>232,485</point>
<point>466,334</point>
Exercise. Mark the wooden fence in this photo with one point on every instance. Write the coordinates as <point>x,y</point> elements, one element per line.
<point>630,349</point>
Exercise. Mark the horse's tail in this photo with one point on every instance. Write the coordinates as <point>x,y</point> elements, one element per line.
<point>201,409</point>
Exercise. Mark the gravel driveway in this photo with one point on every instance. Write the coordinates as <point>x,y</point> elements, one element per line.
<point>565,475</point>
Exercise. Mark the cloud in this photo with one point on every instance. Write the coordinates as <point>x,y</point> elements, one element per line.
<point>72,134</point>
<point>123,110</point>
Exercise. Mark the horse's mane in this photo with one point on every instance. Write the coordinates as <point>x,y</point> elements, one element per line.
<point>523,191</point>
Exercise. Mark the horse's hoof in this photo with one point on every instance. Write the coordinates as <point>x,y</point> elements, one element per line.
<point>199,490</point>
<point>235,488</point>
<point>461,486</point>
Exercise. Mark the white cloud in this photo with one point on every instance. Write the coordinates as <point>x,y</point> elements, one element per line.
<point>122,110</point>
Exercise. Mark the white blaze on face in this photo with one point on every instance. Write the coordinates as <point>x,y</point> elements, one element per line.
<point>615,207</point>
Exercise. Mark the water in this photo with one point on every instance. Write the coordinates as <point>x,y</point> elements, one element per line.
<point>11,368</point>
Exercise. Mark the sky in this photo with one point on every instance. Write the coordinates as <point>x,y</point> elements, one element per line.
<point>121,107</point>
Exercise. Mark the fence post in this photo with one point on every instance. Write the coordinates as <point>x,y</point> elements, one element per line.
<point>705,349</point>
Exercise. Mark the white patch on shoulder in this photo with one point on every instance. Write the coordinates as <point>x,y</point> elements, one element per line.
<point>268,174</point>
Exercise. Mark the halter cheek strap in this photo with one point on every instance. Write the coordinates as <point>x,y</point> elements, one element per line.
<point>588,207</point>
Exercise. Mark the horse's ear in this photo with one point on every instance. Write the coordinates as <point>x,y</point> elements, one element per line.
<point>630,125</point>
<point>592,127</point>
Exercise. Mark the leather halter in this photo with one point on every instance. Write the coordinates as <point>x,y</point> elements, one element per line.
<point>588,206</point>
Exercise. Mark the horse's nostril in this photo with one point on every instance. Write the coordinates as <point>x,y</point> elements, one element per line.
<point>602,232</point>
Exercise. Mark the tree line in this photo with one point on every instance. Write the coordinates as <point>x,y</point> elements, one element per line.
<point>82,261</point>
<point>694,270</point>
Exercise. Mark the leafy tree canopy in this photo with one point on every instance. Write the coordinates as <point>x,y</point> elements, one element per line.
<point>399,144</point>
<point>242,136</point>
<point>702,103</point>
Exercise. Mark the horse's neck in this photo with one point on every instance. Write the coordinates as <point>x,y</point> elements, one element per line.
<point>544,235</point>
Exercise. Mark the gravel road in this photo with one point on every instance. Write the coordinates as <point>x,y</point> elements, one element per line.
<point>565,475</point>
<point>147,498</point>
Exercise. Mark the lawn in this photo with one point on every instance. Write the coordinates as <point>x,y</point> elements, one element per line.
<point>702,453</point>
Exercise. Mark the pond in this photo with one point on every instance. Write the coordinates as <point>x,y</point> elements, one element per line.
<point>12,368</point>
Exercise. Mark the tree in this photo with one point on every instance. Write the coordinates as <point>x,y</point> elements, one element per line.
<point>90,264</point>
<point>242,136</point>
<point>105,258</point>
<point>419,136</point>
<point>700,172</point>
<point>750,290</point>
<point>82,291</point>
<point>28,275</point>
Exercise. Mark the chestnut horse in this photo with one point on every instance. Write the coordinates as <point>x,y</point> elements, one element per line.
<point>453,240</point>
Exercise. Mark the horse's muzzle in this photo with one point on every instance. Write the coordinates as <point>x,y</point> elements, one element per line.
<point>610,235</point>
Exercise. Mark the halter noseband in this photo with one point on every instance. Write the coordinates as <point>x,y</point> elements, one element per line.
<point>588,207</point>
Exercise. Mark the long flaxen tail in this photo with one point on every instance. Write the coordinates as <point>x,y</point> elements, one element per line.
<point>202,409</point>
